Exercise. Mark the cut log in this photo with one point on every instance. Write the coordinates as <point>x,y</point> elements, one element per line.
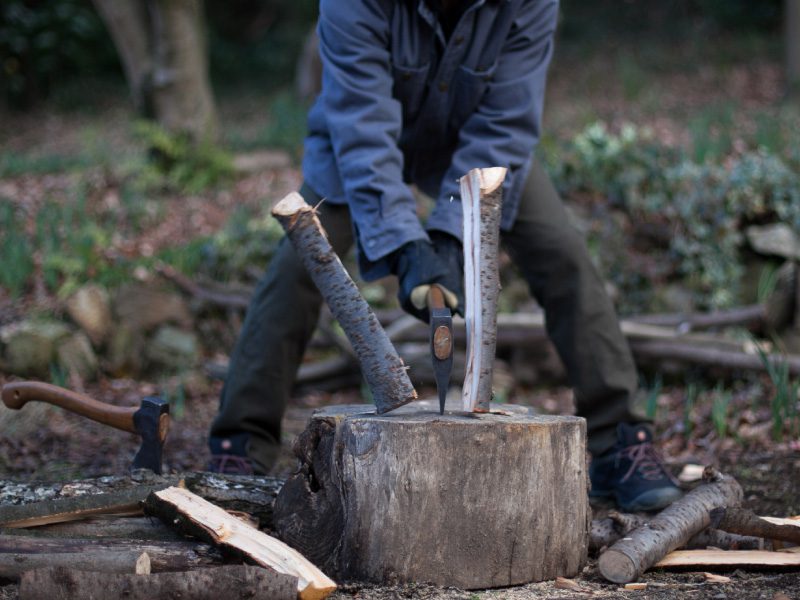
<point>382,368</point>
<point>745,522</point>
<point>254,495</point>
<point>130,528</point>
<point>125,502</point>
<point>729,558</point>
<point>606,532</point>
<point>626,560</point>
<point>229,582</point>
<point>470,500</point>
<point>481,198</point>
<point>20,553</point>
<point>192,515</point>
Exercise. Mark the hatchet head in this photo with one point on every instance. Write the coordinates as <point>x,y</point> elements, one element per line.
<point>152,423</point>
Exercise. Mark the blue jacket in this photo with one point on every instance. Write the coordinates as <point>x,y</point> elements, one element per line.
<point>402,104</point>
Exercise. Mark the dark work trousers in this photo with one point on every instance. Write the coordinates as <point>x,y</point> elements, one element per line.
<point>549,252</point>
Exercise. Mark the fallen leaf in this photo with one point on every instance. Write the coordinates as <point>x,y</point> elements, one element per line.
<point>568,584</point>
<point>713,578</point>
<point>780,596</point>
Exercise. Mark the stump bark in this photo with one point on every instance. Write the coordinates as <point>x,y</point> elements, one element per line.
<point>464,499</point>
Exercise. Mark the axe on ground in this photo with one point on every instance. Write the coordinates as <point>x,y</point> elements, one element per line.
<point>150,420</point>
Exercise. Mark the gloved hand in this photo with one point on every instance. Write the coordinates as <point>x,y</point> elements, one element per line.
<point>417,264</point>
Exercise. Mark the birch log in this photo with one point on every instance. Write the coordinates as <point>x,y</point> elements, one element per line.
<point>481,197</point>
<point>669,529</point>
<point>380,364</point>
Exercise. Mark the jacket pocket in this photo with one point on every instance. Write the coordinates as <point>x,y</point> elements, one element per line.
<point>409,89</point>
<point>468,89</point>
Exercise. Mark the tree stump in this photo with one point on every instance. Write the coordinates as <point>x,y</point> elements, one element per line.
<point>464,499</point>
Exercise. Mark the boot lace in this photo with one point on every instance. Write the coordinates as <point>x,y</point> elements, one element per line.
<point>646,461</point>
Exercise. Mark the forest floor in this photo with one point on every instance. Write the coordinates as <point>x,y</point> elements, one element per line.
<point>685,106</point>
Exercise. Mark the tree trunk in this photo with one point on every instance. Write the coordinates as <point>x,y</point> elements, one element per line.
<point>481,197</point>
<point>381,366</point>
<point>792,20</point>
<point>626,560</point>
<point>163,50</point>
<point>229,582</point>
<point>472,501</point>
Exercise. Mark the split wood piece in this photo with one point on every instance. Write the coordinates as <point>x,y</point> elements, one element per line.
<point>465,500</point>
<point>124,502</point>
<point>626,560</point>
<point>229,582</point>
<point>382,367</point>
<point>481,199</point>
<point>191,514</point>
<point>606,532</point>
<point>21,553</point>
<point>745,522</point>
<point>729,558</point>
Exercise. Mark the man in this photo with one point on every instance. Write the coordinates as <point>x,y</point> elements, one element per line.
<point>420,92</point>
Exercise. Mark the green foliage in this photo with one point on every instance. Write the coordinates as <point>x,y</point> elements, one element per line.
<point>178,162</point>
<point>41,42</point>
<point>784,401</point>
<point>690,399</point>
<point>720,402</point>
<point>15,251</point>
<point>703,206</point>
<point>245,241</point>
<point>653,392</point>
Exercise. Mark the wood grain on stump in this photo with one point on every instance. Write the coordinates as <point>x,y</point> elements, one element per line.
<point>463,499</point>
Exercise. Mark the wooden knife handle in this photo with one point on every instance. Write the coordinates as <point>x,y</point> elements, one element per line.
<point>16,395</point>
<point>436,297</point>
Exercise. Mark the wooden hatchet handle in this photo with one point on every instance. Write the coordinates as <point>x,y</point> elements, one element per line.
<point>16,395</point>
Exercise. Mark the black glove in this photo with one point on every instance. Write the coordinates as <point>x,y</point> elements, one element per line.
<point>417,263</point>
<point>451,253</point>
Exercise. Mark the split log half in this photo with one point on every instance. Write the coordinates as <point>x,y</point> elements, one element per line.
<point>230,582</point>
<point>729,558</point>
<point>745,522</point>
<point>471,500</point>
<point>670,529</point>
<point>22,553</point>
<point>481,198</point>
<point>60,510</point>
<point>380,364</point>
<point>191,514</point>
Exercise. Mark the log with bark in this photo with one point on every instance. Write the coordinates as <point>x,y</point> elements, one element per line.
<point>746,522</point>
<point>382,368</point>
<point>606,532</point>
<point>23,553</point>
<point>729,558</point>
<point>672,528</point>
<point>470,500</point>
<point>481,199</point>
<point>194,516</point>
<point>229,582</point>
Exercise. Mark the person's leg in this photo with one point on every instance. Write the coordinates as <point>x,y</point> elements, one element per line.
<point>580,320</point>
<point>280,321</point>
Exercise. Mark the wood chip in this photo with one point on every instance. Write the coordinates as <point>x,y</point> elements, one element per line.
<point>143,564</point>
<point>714,578</point>
<point>568,584</point>
<point>691,473</point>
<point>635,586</point>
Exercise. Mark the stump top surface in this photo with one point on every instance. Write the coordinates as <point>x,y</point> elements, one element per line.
<point>428,412</point>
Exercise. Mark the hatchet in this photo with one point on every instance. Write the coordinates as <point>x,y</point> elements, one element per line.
<point>150,420</point>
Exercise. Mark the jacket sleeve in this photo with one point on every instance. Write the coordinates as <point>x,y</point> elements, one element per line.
<point>505,128</point>
<point>364,122</point>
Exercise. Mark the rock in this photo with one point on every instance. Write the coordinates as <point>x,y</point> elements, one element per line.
<point>143,307</point>
<point>28,347</point>
<point>90,308</point>
<point>777,239</point>
<point>172,349</point>
<point>125,352</point>
<point>76,356</point>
